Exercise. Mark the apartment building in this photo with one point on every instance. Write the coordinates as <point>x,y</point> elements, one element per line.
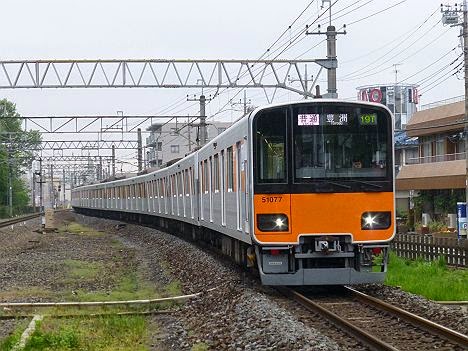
<point>171,141</point>
<point>440,165</point>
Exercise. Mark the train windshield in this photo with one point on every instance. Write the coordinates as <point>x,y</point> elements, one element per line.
<point>323,147</point>
<point>340,142</point>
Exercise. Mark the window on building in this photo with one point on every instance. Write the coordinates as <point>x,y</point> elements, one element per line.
<point>175,149</point>
<point>159,146</point>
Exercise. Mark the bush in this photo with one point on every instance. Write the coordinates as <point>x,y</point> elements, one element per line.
<point>437,226</point>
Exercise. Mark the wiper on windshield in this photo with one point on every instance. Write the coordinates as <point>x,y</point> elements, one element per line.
<point>338,184</point>
<point>366,183</point>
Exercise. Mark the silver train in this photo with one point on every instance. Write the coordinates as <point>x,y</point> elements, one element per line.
<point>304,192</point>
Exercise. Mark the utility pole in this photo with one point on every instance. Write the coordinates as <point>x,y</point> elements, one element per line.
<point>203,138</point>
<point>246,103</point>
<point>450,16</point>
<point>10,181</point>
<point>33,189</point>
<point>51,189</point>
<point>113,160</point>
<point>140,151</point>
<point>189,129</point>
<point>41,201</point>
<point>63,188</point>
<point>305,82</point>
<point>331,34</point>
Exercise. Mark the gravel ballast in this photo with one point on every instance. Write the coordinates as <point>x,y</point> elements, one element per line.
<point>239,314</point>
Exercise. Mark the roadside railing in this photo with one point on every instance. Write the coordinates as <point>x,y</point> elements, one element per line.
<point>412,246</point>
<point>442,102</point>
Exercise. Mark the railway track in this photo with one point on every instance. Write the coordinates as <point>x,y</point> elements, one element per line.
<point>15,220</point>
<point>377,324</point>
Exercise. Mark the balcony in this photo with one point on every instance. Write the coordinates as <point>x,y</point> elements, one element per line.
<point>153,139</point>
<point>433,172</point>
<point>154,155</point>
<point>436,158</point>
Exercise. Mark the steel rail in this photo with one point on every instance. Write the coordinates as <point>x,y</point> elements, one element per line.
<point>367,339</point>
<point>440,330</point>
<point>18,220</point>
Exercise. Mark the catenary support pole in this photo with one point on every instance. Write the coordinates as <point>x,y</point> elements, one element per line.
<point>140,151</point>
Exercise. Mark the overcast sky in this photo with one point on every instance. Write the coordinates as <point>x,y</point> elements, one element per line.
<point>409,34</point>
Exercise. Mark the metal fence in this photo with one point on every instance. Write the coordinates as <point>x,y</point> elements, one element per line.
<point>412,246</point>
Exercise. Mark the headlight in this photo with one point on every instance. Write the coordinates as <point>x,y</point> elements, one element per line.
<point>376,220</point>
<point>276,222</point>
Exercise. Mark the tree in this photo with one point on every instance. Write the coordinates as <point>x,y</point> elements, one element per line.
<point>16,154</point>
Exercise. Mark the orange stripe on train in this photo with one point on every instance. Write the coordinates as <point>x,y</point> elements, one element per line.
<point>324,213</point>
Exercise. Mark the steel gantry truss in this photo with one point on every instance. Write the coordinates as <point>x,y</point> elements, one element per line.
<point>88,144</point>
<point>158,73</point>
<point>95,124</point>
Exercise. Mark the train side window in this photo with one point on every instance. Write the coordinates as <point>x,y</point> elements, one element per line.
<point>216,173</point>
<point>192,181</point>
<point>206,176</point>
<point>173,187</point>
<point>230,170</point>
<point>211,182</point>
<point>187,182</point>
<point>180,184</point>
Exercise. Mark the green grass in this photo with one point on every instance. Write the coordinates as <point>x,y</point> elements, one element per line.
<point>83,270</point>
<point>76,228</point>
<point>97,333</point>
<point>9,342</point>
<point>434,280</point>
<point>201,346</point>
<point>128,287</point>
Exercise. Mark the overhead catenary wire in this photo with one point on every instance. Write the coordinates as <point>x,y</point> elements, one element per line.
<point>441,79</point>
<point>428,66</point>
<point>441,70</point>
<point>386,45</point>
<point>378,68</point>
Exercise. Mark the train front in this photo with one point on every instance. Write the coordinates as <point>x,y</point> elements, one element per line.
<point>323,188</point>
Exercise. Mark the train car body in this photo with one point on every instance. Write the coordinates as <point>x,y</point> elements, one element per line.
<point>306,190</point>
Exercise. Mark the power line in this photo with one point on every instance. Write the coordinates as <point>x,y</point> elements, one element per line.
<point>352,75</point>
<point>378,12</point>
<point>378,69</point>
<point>430,65</point>
<point>386,45</point>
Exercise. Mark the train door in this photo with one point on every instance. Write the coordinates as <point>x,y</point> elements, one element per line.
<point>177,192</point>
<point>173,194</point>
<point>166,194</point>
<point>149,195</point>
<point>158,195</point>
<point>186,191</point>
<point>238,186</point>
<point>245,187</point>
<point>223,190</point>
<point>210,188</point>
<point>201,177</point>
<point>192,192</point>
<point>155,195</point>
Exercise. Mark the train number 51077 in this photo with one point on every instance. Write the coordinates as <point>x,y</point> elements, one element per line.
<point>271,199</point>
